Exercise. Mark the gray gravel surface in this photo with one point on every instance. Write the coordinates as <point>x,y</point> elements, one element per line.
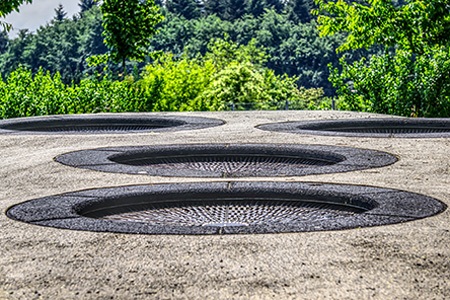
<point>403,261</point>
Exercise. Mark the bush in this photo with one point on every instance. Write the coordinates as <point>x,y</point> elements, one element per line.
<point>398,83</point>
<point>228,73</point>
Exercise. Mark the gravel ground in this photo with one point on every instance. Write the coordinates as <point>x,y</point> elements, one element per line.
<point>403,261</point>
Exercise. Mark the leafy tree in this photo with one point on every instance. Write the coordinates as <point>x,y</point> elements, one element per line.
<point>396,84</point>
<point>57,49</point>
<point>411,77</point>
<point>128,26</point>
<point>414,26</point>
<point>228,72</point>
<point>63,47</point>
<point>234,9</point>
<point>91,35</point>
<point>7,7</point>
<point>294,49</point>
<point>242,80</point>
<point>204,30</point>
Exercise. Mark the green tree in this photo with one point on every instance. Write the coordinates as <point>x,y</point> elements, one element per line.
<point>228,10</point>
<point>414,26</point>
<point>60,14</point>
<point>299,11</point>
<point>189,9</point>
<point>294,49</point>
<point>275,5</point>
<point>4,41</point>
<point>215,7</point>
<point>86,5</point>
<point>401,84</point>
<point>128,26</point>
<point>411,77</point>
<point>255,7</point>
<point>16,53</point>
<point>57,47</point>
<point>241,79</point>
<point>7,7</point>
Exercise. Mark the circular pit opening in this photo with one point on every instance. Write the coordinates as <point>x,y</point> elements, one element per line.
<point>226,208</point>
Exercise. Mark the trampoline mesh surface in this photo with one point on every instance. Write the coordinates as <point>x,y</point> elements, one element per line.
<point>96,128</point>
<point>390,130</point>
<point>103,124</point>
<point>227,213</point>
<point>226,164</point>
<point>226,160</point>
<point>403,128</point>
<point>226,208</point>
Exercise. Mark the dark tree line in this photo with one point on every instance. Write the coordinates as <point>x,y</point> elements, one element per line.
<point>230,10</point>
<point>286,30</point>
<point>63,45</point>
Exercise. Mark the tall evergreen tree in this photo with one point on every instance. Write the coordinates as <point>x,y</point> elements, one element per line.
<point>60,14</point>
<point>214,7</point>
<point>228,10</point>
<point>189,9</point>
<point>255,7</point>
<point>4,41</point>
<point>86,5</point>
<point>275,5</point>
<point>234,9</point>
<point>15,54</point>
<point>299,11</point>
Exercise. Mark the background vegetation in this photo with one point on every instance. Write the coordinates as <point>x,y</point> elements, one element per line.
<point>393,58</point>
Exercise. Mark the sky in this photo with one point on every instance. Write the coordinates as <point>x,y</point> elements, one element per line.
<point>40,12</point>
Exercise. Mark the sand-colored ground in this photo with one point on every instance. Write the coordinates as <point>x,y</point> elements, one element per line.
<point>402,261</point>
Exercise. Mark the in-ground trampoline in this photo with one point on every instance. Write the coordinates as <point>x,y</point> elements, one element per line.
<point>104,124</point>
<point>380,128</point>
<point>227,160</point>
<point>226,208</point>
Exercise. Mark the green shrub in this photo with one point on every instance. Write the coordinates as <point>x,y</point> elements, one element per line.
<point>228,73</point>
<point>397,83</point>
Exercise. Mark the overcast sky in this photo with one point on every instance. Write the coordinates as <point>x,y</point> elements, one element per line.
<point>39,13</point>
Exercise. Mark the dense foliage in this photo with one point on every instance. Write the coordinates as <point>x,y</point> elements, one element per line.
<point>413,25</point>
<point>227,73</point>
<point>128,27</point>
<point>410,76</point>
<point>294,48</point>
<point>393,57</point>
<point>401,84</point>
<point>60,46</point>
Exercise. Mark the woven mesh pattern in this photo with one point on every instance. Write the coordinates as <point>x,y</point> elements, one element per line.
<point>228,213</point>
<point>95,128</point>
<point>225,164</point>
<point>389,130</point>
